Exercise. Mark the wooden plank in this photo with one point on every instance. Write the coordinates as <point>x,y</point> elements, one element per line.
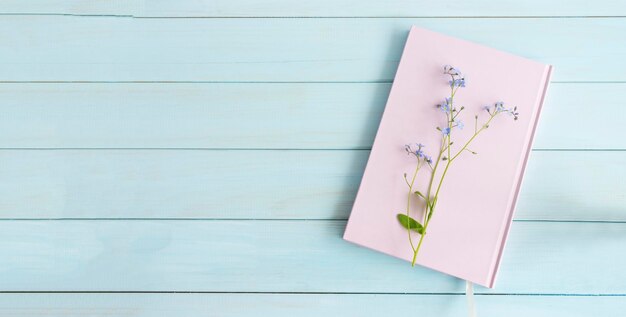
<point>320,8</point>
<point>259,116</point>
<point>394,8</point>
<point>71,7</point>
<point>559,185</point>
<point>52,48</point>
<point>288,256</point>
<point>303,305</point>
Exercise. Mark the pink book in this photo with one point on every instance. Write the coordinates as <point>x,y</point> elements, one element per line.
<point>467,233</point>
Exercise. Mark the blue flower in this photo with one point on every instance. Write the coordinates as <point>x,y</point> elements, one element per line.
<point>445,131</point>
<point>428,159</point>
<point>460,82</point>
<point>417,152</point>
<point>445,106</point>
<point>499,106</point>
<point>460,124</point>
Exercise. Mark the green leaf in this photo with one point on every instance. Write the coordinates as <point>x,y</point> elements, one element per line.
<point>420,194</point>
<point>408,222</point>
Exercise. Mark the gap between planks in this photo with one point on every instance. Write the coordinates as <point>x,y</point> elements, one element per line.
<point>317,293</point>
<point>252,82</point>
<point>249,149</point>
<point>131,16</point>
<point>274,219</point>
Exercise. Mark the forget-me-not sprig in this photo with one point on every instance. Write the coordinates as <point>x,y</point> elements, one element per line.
<point>445,157</point>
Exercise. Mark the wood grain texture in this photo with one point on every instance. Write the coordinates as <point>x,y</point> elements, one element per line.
<point>320,8</point>
<point>51,48</point>
<point>560,185</point>
<point>244,116</point>
<point>316,81</point>
<point>302,305</point>
<point>288,256</point>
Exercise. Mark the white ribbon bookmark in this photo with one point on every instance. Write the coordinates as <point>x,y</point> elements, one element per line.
<point>469,293</point>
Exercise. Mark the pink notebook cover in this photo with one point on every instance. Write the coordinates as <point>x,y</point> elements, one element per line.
<point>467,233</point>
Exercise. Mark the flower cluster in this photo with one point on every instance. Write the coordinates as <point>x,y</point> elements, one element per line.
<point>418,152</point>
<point>452,71</point>
<point>457,79</point>
<point>499,107</point>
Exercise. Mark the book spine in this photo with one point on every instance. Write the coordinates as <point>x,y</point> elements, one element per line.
<point>520,176</point>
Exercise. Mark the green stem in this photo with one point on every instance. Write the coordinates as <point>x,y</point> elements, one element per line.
<point>432,177</point>
<point>443,175</point>
<point>444,147</point>
<point>473,137</point>
<point>431,212</point>
<point>428,201</point>
<point>419,245</point>
<point>408,204</point>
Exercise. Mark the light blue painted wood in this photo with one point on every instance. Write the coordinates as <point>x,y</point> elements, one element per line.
<point>320,8</point>
<point>561,185</point>
<point>258,116</point>
<point>351,8</point>
<point>302,305</point>
<point>71,7</point>
<point>52,48</point>
<point>288,256</point>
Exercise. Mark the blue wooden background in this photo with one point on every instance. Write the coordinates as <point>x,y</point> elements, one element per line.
<point>200,158</point>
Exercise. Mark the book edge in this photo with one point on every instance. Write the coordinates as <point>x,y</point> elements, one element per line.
<point>345,233</point>
<point>507,225</point>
